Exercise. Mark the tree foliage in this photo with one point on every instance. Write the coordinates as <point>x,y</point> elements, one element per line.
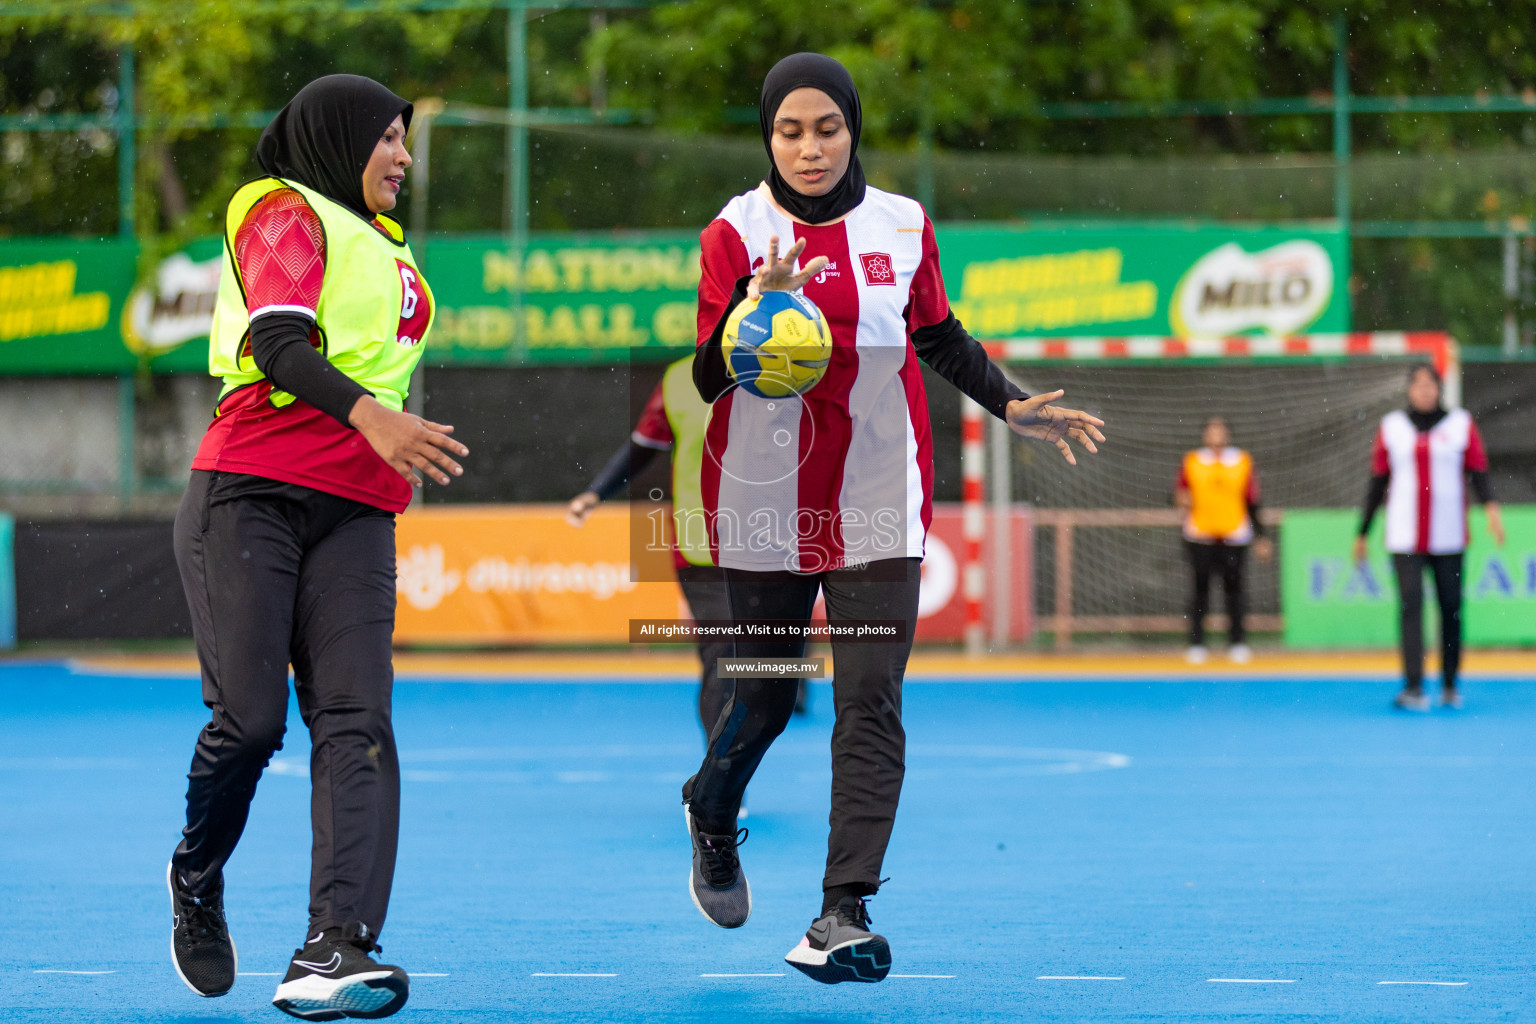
<point>974,72</point>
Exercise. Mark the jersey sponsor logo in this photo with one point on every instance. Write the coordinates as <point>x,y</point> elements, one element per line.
<point>415,307</point>
<point>877,268</point>
<point>830,270</point>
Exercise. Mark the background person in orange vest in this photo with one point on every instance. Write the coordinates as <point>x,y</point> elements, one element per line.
<point>1219,492</point>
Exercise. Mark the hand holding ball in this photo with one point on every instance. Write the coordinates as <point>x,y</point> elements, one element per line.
<point>777,345</point>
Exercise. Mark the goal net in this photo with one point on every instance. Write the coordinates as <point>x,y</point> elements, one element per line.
<point>1108,550</point>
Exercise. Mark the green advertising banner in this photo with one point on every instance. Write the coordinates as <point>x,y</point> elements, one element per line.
<point>1329,602</point>
<point>1194,281</point>
<point>583,298</point>
<point>74,307</point>
<point>60,305</point>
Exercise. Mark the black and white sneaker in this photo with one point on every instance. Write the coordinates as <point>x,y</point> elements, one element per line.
<point>334,977</point>
<point>716,882</point>
<point>840,947</point>
<point>201,949</point>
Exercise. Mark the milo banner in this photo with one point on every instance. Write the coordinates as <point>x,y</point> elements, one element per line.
<point>75,307</point>
<point>1165,281</point>
<point>1328,601</point>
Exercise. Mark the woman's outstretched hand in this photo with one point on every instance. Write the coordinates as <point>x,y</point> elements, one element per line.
<point>408,442</point>
<point>1037,418</point>
<point>778,275</point>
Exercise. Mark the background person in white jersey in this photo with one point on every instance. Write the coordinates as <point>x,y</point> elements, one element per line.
<point>1419,466</point>
<point>832,491</point>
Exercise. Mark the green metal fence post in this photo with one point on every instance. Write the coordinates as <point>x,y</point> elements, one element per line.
<point>518,164</point>
<point>125,141</point>
<point>127,474</point>
<point>1341,146</point>
<point>925,177</point>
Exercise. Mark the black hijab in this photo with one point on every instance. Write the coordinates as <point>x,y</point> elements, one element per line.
<point>816,71</point>
<point>325,135</point>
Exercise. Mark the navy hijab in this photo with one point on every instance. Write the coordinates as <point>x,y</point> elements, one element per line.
<point>326,134</point>
<point>816,71</point>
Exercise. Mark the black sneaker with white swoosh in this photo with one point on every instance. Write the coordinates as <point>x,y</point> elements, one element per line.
<point>201,949</point>
<point>334,977</point>
<point>840,947</point>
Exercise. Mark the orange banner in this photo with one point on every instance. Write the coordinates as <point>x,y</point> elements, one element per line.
<point>499,574</point>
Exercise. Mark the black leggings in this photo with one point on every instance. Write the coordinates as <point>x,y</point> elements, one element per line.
<point>704,587</point>
<point>1230,560</point>
<point>868,742</point>
<point>1410,592</point>
<point>277,573</point>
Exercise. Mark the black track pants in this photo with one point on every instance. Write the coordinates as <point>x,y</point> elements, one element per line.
<point>277,573</point>
<point>1410,592</point>
<point>1230,560</point>
<point>868,742</point>
<point>704,587</point>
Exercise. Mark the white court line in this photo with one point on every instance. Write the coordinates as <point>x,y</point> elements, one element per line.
<point>1076,977</point>
<point>50,971</point>
<point>780,975</point>
<point>1252,981</point>
<point>260,974</point>
<point>1448,984</point>
<point>571,974</point>
<point>919,975</point>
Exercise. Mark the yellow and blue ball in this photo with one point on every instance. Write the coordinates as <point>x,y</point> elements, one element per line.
<point>777,345</point>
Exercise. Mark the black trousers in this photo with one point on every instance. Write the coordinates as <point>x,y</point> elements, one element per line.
<point>868,742</point>
<point>277,573</point>
<point>704,588</point>
<point>1229,560</point>
<point>1410,592</point>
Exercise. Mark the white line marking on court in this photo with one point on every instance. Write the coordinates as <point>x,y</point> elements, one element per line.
<point>1252,981</point>
<point>741,975</point>
<point>571,974</point>
<point>919,975</point>
<point>260,974</point>
<point>49,971</point>
<point>1077,977</point>
<point>1448,984</point>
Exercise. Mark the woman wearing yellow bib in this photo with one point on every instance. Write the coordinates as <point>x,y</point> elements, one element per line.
<point>285,539</point>
<point>1219,493</point>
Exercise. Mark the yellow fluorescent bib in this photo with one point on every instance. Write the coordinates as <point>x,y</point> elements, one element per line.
<point>689,416</point>
<point>1218,493</point>
<point>362,299</point>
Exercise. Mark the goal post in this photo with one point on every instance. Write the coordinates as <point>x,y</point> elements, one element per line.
<point>1305,406</point>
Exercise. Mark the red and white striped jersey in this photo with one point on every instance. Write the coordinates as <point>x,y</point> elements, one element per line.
<point>844,474</point>
<point>1427,498</point>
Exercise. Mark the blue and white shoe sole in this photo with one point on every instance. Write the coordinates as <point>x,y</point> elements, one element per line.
<point>867,960</point>
<point>693,893</point>
<point>233,952</point>
<point>367,995</point>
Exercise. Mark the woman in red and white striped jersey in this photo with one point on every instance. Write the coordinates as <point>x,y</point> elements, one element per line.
<point>830,491</point>
<point>1423,457</point>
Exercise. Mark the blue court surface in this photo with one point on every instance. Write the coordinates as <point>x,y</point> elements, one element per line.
<point>1077,851</point>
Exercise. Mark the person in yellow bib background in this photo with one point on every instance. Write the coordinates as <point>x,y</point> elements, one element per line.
<point>1219,492</point>
<point>674,420</point>
<point>285,539</point>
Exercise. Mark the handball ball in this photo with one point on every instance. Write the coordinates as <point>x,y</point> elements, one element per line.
<point>778,345</point>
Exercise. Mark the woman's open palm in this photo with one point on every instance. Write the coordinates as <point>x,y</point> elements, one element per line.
<point>778,274</point>
<point>1037,418</point>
